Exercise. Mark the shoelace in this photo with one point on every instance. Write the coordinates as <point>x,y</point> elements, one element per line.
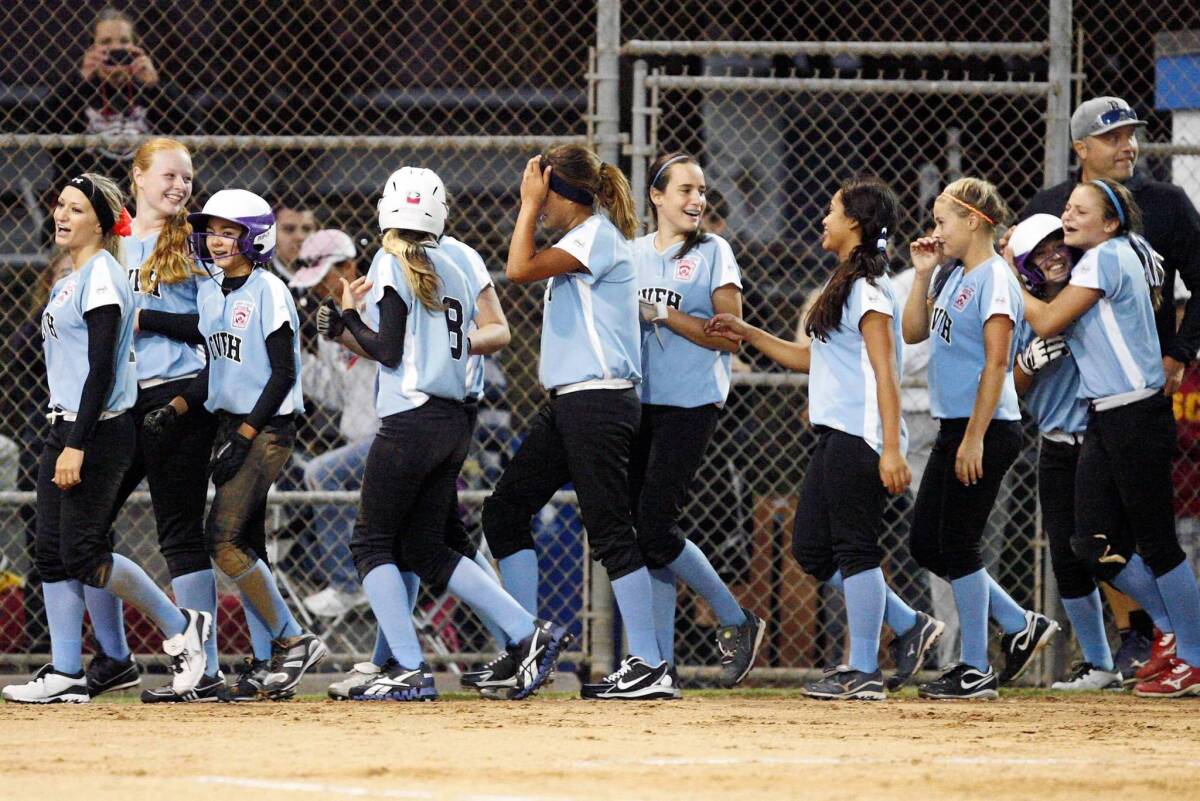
<point>617,674</point>
<point>727,654</point>
<point>1079,670</point>
<point>496,662</point>
<point>177,665</point>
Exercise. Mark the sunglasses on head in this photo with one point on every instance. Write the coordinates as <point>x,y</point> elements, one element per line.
<point>1113,116</point>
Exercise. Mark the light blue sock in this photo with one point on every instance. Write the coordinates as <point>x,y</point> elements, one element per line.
<point>520,578</point>
<point>198,591</point>
<point>469,583</point>
<point>493,628</point>
<point>383,651</point>
<point>635,600</point>
<point>258,586</point>
<point>64,613</point>
<point>971,598</point>
<point>131,583</point>
<point>1136,581</point>
<point>1179,590</point>
<point>260,632</point>
<point>663,593</point>
<point>866,598</point>
<point>389,602</point>
<point>1087,619</point>
<point>107,614</point>
<point>899,616</point>
<point>1003,609</point>
<point>697,572</point>
<point>412,586</point>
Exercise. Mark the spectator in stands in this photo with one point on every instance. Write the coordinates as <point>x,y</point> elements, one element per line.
<point>336,379</point>
<point>294,223</point>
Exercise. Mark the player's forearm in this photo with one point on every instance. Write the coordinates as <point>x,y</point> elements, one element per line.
<point>991,383</point>
<point>489,338</point>
<point>522,247</point>
<point>692,329</point>
<point>280,383</point>
<point>791,355</point>
<point>914,322</point>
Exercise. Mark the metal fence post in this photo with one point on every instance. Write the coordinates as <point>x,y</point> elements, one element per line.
<point>1058,102</point>
<point>638,148</point>
<point>607,79</point>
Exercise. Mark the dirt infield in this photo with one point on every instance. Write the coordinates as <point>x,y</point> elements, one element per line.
<point>742,745</point>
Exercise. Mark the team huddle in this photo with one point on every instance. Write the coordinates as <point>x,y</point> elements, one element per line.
<point>172,356</point>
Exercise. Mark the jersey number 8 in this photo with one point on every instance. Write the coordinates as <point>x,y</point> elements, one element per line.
<point>454,323</point>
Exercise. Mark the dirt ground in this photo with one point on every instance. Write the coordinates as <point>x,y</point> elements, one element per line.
<point>754,744</point>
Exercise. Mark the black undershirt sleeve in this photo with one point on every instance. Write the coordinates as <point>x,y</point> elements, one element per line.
<point>283,377</point>
<point>196,392</point>
<point>183,327</point>
<point>102,326</point>
<point>386,345</point>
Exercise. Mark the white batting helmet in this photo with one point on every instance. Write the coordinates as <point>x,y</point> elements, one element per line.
<point>414,199</point>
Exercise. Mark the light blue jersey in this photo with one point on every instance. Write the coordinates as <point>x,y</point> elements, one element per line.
<point>480,280</point>
<point>236,327</point>
<point>965,302</point>
<point>678,372</point>
<point>158,356</point>
<point>590,322</point>
<point>842,391</point>
<point>1115,342</point>
<point>435,342</point>
<point>1053,400</point>
<point>99,282</point>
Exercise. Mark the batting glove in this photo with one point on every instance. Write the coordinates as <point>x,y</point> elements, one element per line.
<point>329,319</point>
<point>652,311</point>
<point>1040,352</point>
<point>228,459</point>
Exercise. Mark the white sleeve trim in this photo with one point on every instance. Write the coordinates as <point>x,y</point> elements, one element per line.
<point>278,297</point>
<point>580,240</point>
<point>726,271</point>
<point>1000,301</point>
<point>1086,272</point>
<point>101,289</point>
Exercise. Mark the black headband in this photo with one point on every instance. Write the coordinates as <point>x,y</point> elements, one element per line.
<point>104,214</point>
<point>570,191</point>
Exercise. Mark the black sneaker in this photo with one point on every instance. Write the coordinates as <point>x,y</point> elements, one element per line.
<point>499,675</point>
<point>290,658</point>
<point>251,676</point>
<point>676,687</point>
<point>398,684</point>
<point>910,649</point>
<point>962,682</point>
<point>536,656</point>
<point>1132,655</point>
<point>739,648</point>
<point>634,680</point>
<point>108,675</point>
<point>1020,648</point>
<point>210,690</point>
<point>847,684</point>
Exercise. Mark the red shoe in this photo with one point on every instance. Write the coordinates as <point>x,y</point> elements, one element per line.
<point>1162,652</point>
<point>1178,680</point>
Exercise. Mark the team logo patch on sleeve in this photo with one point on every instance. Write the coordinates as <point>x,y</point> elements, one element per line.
<point>685,269</point>
<point>963,297</point>
<point>242,311</point>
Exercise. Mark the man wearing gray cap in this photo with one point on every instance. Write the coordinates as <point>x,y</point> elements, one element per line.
<point>1104,134</point>
<point>1104,137</point>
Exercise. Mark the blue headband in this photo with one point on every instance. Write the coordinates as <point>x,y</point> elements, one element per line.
<point>1113,197</point>
<point>571,192</point>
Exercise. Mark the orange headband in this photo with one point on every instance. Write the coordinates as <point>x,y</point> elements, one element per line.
<point>969,207</point>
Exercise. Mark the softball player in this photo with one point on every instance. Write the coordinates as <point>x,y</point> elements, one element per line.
<point>423,295</point>
<point>247,320</point>
<point>854,362</point>
<point>88,324</point>
<point>685,276</point>
<point>1123,488</point>
<point>969,313</point>
<point>590,363</point>
<point>163,277</point>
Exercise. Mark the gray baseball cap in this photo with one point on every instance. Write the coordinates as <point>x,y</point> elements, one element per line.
<point>1101,115</point>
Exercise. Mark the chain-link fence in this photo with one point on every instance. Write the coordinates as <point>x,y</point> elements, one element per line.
<point>313,103</point>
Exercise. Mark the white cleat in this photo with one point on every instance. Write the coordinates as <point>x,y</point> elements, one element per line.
<point>1085,677</point>
<point>186,650</point>
<point>48,686</point>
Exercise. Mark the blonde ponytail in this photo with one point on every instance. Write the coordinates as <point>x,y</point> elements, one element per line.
<point>617,197</point>
<point>409,249</point>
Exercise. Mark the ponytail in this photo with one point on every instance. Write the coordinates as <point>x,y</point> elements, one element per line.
<point>169,262</point>
<point>409,248</point>
<point>616,196</point>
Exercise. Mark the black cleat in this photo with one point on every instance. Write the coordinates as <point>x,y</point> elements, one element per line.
<point>210,690</point>
<point>1132,655</point>
<point>634,680</point>
<point>910,649</point>
<point>498,676</point>
<point>739,648</point>
<point>108,675</point>
<point>398,684</point>
<point>536,657</point>
<point>290,658</point>
<point>960,683</point>
<point>1020,648</point>
<point>848,685</point>
<point>251,676</point>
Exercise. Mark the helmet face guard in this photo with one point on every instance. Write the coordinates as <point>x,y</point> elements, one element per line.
<point>256,239</point>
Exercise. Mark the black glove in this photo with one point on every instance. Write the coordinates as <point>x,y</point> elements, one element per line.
<point>160,423</point>
<point>329,319</point>
<point>228,459</point>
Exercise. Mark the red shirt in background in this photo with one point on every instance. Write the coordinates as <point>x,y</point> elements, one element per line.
<point>1187,460</point>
